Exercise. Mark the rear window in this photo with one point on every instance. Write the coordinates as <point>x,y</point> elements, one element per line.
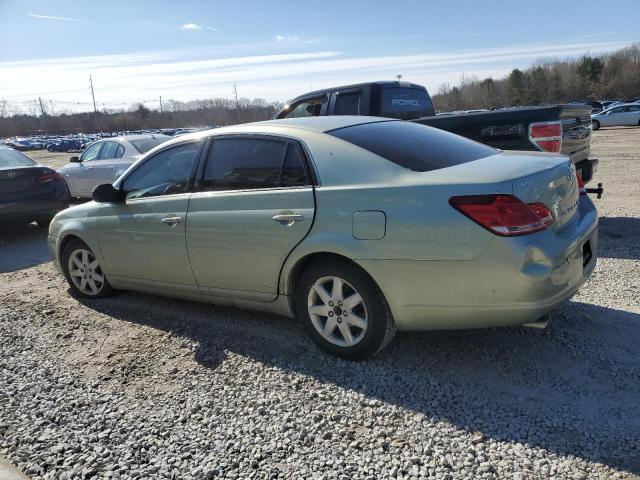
<point>414,146</point>
<point>11,158</point>
<point>405,103</point>
<point>145,144</point>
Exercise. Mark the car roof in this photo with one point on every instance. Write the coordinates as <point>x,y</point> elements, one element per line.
<point>319,124</point>
<point>139,136</point>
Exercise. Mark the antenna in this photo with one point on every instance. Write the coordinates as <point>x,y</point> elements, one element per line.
<point>92,94</point>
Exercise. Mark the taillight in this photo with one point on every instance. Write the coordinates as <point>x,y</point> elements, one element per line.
<point>547,136</point>
<point>49,176</point>
<point>504,215</point>
<point>581,187</point>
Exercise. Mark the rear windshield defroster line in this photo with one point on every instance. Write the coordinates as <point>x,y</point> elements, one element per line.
<point>412,145</point>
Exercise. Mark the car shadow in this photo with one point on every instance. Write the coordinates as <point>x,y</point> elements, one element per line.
<point>619,237</point>
<point>22,246</point>
<point>488,381</point>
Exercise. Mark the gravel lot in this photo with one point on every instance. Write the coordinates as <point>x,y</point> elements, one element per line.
<point>144,387</point>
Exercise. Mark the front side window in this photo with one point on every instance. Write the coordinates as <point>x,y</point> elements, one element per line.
<point>412,145</point>
<point>91,153</point>
<point>307,108</point>
<point>347,104</point>
<point>165,173</point>
<point>109,151</point>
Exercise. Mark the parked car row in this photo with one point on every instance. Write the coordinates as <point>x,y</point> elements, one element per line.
<point>627,114</point>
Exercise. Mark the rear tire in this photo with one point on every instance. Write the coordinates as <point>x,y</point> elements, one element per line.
<point>83,272</point>
<point>596,125</point>
<point>343,310</point>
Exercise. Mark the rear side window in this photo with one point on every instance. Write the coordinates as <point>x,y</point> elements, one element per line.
<point>347,104</point>
<point>405,103</point>
<point>109,151</point>
<point>250,163</point>
<point>413,146</point>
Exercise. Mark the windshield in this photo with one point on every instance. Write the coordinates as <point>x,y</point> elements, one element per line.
<point>412,145</point>
<point>143,145</point>
<point>11,158</point>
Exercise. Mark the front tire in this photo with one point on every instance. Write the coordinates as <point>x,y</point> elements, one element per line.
<point>596,125</point>
<point>343,310</point>
<point>84,272</point>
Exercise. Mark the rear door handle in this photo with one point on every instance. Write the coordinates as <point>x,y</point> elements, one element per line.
<point>171,221</point>
<point>288,217</point>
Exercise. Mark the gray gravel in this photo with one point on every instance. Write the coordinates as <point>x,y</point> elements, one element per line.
<point>144,387</point>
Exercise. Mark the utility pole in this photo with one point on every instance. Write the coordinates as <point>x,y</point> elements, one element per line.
<point>235,94</point>
<point>92,94</point>
<point>41,107</point>
<point>399,77</point>
<point>160,103</point>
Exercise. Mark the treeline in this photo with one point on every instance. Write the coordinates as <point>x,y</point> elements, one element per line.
<point>612,76</point>
<point>196,113</point>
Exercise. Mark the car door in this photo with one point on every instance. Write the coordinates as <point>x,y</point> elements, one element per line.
<point>142,239</point>
<point>252,204</point>
<point>614,117</point>
<point>632,115</point>
<point>79,177</point>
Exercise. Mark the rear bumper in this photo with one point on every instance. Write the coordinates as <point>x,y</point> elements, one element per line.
<point>513,282</point>
<point>30,208</point>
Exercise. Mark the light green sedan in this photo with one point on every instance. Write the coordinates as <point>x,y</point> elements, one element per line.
<point>357,226</point>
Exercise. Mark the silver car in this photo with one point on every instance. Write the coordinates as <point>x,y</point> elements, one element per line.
<point>619,116</point>
<point>357,226</point>
<point>105,160</point>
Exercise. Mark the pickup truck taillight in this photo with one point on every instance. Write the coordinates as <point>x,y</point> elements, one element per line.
<point>49,176</point>
<point>504,215</point>
<point>547,136</point>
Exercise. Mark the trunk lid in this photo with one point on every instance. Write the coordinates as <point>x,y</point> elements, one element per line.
<point>556,187</point>
<point>19,183</point>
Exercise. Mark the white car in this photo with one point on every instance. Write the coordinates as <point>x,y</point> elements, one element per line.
<point>622,115</point>
<point>105,160</point>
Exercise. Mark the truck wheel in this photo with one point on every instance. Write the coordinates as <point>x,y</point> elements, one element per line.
<point>595,125</point>
<point>343,310</point>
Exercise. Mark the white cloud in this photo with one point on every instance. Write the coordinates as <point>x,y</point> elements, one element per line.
<point>298,39</point>
<point>195,26</point>
<point>120,80</point>
<point>147,22</point>
<point>50,17</point>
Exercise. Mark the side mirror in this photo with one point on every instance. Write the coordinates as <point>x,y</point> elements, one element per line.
<point>106,193</point>
<point>75,159</point>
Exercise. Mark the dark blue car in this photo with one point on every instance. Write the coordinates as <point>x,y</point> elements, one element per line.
<point>65,145</point>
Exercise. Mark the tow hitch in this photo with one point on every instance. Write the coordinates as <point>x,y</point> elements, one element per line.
<point>598,191</point>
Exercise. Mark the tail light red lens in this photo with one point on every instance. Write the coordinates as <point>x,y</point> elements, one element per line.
<point>581,187</point>
<point>547,136</point>
<point>49,176</point>
<point>504,215</point>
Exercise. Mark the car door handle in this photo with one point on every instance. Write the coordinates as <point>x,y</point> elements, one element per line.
<point>171,221</point>
<point>288,217</point>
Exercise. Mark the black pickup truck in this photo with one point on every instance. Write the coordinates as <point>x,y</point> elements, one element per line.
<point>562,129</point>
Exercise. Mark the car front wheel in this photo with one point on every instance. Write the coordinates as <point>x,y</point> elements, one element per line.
<point>343,311</point>
<point>84,272</point>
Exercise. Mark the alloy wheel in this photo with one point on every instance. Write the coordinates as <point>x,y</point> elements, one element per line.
<point>85,272</point>
<point>337,311</point>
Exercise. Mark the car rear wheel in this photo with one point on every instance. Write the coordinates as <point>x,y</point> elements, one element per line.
<point>84,272</point>
<point>343,311</point>
<point>595,124</point>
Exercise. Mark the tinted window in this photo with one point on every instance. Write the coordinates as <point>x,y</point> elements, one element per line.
<point>11,158</point>
<point>616,110</point>
<point>165,173</point>
<point>293,171</point>
<point>414,146</point>
<point>143,145</point>
<point>405,103</point>
<point>91,153</point>
<point>633,108</point>
<point>347,104</point>
<point>307,108</point>
<point>109,151</point>
<point>120,151</point>
<point>243,163</point>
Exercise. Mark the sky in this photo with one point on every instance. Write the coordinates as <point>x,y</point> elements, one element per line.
<point>139,50</point>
